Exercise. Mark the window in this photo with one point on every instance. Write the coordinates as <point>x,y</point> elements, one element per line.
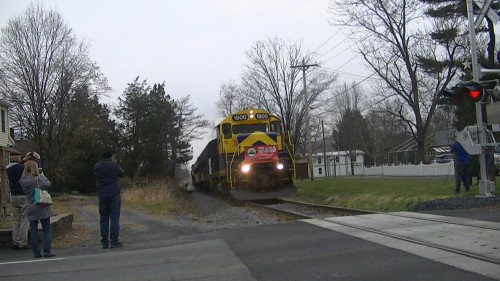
<point>320,171</point>
<point>319,160</point>
<point>226,130</point>
<point>250,128</point>
<point>276,127</point>
<point>3,121</point>
<point>336,159</point>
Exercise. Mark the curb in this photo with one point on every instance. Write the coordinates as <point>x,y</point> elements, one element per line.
<point>59,224</point>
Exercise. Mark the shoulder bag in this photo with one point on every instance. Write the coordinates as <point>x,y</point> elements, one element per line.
<point>42,197</point>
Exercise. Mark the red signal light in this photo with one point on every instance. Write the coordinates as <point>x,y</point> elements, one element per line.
<point>475,94</point>
<point>466,92</point>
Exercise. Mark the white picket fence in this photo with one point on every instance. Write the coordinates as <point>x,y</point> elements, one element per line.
<point>421,170</point>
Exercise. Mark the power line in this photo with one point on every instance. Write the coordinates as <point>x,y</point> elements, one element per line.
<point>327,40</point>
<point>334,47</point>
<point>356,84</point>
<point>338,54</point>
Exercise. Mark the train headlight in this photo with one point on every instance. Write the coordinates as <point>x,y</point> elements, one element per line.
<point>245,168</point>
<point>280,166</point>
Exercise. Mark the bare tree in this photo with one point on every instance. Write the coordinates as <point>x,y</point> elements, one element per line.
<point>191,126</point>
<point>384,131</point>
<point>347,97</point>
<point>270,83</point>
<point>232,99</point>
<point>42,64</point>
<point>350,123</point>
<point>391,37</point>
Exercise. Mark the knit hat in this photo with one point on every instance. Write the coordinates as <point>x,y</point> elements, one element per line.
<point>107,154</point>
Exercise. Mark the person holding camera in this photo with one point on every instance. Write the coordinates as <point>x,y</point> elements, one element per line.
<point>37,212</point>
<point>20,223</point>
<point>107,173</point>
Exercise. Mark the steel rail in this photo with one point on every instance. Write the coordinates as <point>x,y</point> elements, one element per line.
<point>363,212</point>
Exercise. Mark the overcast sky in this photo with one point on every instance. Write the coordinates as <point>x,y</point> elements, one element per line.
<point>194,45</point>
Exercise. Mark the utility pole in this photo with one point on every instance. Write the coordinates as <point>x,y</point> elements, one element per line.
<point>304,67</point>
<point>324,147</point>
<point>338,154</point>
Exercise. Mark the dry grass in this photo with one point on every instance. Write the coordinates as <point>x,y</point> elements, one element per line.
<point>72,238</point>
<point>75,236</point>
<point>157,197</point>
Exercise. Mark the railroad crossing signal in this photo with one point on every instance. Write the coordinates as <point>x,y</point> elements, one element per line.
<point>472,92</point>
<point>469,92</point>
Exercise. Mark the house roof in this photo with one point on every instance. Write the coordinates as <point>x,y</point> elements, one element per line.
<point>4,103</point>
<point>338,153</point>
<point>441,149</point>
<point>408,145</point>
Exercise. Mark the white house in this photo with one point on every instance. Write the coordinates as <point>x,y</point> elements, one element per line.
<point>6,144</point>
<point>5,139</point>
<point>337,164</point>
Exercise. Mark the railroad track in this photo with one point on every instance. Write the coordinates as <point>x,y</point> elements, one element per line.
<point>300,210</point>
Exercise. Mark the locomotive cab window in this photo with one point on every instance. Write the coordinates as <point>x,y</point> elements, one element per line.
<point>226,131</point>
<point>276,127</point>
<point>249,128</point>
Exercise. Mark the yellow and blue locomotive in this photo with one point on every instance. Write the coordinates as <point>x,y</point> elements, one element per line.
<point>251,158</point>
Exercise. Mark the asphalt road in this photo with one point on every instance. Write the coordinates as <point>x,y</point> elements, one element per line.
<point>288,251</point>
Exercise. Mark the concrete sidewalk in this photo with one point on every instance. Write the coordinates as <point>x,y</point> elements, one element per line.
<point>458,242</point>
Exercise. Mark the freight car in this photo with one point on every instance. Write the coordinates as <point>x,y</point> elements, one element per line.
<point>251,158</point>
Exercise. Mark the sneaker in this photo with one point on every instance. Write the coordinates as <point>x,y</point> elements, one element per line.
<point>50,255</point>
<point>105,246</point>
<point>117,245</point>
<point>14,247</point>
<point>24,247</point>
<point>38,256</point>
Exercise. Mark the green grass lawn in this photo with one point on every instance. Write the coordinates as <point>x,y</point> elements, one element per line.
<point>381,194</point>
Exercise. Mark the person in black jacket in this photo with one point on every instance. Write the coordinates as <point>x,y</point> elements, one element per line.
<point>107,173</point>
<point>20,224</point>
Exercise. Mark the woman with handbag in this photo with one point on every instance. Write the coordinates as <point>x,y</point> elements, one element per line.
<point>32,183</point>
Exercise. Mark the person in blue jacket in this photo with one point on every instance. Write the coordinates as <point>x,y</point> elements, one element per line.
<point>462,167</point>
<point>107,173</point>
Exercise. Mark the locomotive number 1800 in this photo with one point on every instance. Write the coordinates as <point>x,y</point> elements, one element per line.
<point>243,117</point>
<point>240,117</point>
<point>261,116</point>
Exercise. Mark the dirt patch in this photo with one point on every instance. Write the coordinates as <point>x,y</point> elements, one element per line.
<point>72,238</point>
<point>85,218</point>
<point>136,224</point>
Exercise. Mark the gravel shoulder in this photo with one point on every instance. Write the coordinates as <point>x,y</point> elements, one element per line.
<point>202,213</point>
